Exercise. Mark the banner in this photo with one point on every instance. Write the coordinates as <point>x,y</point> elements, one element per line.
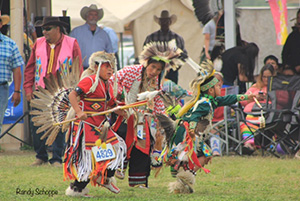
<point>13,113</point>
<point>279,12</point>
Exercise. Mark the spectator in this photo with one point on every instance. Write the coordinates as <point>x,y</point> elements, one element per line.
<point>11,61</point>
<point>271,59</point>
<point>209,32</point>
<point>291,48</point>
<point>238,65</point>
<point>166,35</point>
<point>114,42</point>
<point>259,89</point>
<point>29,37</point>
<point>48,52</point>
<point>288,71</point>
<point>90,37</point>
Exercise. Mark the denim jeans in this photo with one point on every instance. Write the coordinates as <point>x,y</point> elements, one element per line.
<point>4,93</point>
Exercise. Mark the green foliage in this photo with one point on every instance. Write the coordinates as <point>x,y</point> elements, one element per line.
<point>231,178</point>
<point>26,147</point>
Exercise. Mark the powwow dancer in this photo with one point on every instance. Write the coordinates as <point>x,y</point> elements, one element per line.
<point>84,160</point>
<point>140,131</point>
<point>187,151</point>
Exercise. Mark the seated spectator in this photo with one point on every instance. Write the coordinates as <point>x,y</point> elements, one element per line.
<point>271,59</point>
<point>288,71</point>
<point>260,87</point>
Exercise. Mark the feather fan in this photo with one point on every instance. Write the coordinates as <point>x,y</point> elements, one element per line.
<point>52,102</point>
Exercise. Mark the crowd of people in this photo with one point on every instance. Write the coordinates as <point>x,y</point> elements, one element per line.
<point>144,136</point>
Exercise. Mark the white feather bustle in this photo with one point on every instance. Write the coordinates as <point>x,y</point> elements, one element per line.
<point>184,183</point>
<point>71,192</point>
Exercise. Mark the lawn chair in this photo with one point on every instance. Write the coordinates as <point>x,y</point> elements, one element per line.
<point>282,116</point>
<point>224,128</point>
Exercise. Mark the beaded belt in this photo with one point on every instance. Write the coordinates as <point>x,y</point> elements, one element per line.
<point>3,83</point>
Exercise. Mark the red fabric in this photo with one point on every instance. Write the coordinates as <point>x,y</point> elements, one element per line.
<point>118,123</point>
<point>91,103</point>
<point>219,111</point>
<point>146,149</point>
<point>130,135</point>
<point>29,72</point>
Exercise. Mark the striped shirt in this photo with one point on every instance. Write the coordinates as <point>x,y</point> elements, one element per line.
<point>10,58</point>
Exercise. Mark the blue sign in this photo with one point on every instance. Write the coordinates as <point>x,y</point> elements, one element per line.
<point>13,113</point>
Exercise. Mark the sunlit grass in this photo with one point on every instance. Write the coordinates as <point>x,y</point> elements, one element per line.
<point>231,178</point>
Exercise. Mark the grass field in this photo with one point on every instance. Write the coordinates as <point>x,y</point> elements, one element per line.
<point>231,178</point>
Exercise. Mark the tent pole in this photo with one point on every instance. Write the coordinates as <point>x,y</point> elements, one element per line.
<point>122,52</point>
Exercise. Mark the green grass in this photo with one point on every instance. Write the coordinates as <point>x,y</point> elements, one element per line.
<point>231,178</point>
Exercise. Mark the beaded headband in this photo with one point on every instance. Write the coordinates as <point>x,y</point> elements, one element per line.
<point>210,84</point>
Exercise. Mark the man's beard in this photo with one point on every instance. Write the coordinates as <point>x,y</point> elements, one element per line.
<point>93,22</point>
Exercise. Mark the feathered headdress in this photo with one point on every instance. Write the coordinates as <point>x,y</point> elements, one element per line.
<point>167,52</point>
<point>205,70</point>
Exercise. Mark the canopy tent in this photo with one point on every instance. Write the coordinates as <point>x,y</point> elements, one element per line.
<point>139,15</point>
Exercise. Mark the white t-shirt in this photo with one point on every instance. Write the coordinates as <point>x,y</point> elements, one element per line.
<point>210,28</point>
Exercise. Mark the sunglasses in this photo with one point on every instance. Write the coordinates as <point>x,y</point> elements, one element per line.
<point>47,28</point>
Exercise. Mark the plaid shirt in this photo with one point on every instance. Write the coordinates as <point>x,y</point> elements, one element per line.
<point>10,58</point>
<point>160,36</point>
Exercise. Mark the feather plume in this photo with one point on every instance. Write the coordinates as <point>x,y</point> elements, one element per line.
<point>168,125</point>
<point>52,136</point>
<point>167,52</point>
<point>203,10</point>
<point>147,95</point>
<point>47,133</point>
<point>168,99</point>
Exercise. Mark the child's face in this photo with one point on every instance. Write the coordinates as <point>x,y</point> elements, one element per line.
<point>153,70</point>
<point>106,71</point>
<point>216,90</point>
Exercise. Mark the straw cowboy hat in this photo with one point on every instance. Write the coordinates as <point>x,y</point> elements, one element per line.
<point>165,14</point>
<point>50,21</point>
<point>85,10</point>
<point>4,19</point>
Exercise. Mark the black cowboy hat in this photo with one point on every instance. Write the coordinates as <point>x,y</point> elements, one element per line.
<point>165,15</point>
<point>50,21</point>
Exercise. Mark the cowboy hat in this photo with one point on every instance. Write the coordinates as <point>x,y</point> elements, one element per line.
<point>50,21</point>
<point>85,10</point>
<point>165,15</point>
<point>4,19</point>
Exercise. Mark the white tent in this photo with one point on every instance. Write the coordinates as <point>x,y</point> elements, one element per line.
<point>138,14</point>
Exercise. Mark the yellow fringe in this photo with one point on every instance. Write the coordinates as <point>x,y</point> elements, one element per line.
<point>189,104</point>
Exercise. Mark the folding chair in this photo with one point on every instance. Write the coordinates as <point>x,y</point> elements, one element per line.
<point>282,116</point>
<point>223,121</point>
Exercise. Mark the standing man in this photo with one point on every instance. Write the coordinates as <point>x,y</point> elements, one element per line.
<point>209,32</point>
<point>291,48</point>
<point>165,35</point>
<point>114,42</point>
<point>48,52</point>
<point>10,62</point>
<point>90,37</point>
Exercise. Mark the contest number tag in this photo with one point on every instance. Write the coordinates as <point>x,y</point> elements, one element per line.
<point>140,131</point>
<point>103,154</point>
